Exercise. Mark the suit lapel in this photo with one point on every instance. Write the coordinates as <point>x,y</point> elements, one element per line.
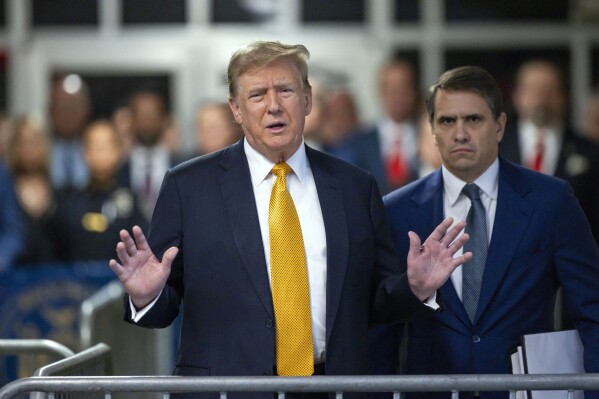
<point>511,219</point>
<point>430,197</point>
<point>330,196</point>
<point>240,204</point>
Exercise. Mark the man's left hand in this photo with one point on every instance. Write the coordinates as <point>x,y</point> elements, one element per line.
<point>430,264</point>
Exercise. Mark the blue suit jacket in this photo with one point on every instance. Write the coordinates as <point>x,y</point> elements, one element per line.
<point>207,208</point>
<point>540,240</point>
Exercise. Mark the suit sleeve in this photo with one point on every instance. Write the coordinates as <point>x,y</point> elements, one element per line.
<point>577,264</point>
<point>166,230</point>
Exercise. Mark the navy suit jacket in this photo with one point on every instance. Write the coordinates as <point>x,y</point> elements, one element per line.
<point>207,208</point>
<point>540,240</point>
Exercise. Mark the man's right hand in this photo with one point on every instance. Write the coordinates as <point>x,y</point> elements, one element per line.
<point>143,276</point>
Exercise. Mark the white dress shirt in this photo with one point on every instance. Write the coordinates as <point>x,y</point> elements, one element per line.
<point>457,205</point>
<point>157,159</point>
<point>302,188</point>
<point>527,140</point>
<point>390,132</point>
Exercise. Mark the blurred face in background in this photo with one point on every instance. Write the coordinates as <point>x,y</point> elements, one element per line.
<point>30,150</point>
<point>149,118</point>
<point>69,111</point>
<point>339,118</point>
<point>539,95</point>
<point>215,128</point>
<point>591,118</point>
<point>102,150</point>
<point>398,91</point>
<point>122,120</point>
<point>427,149</point>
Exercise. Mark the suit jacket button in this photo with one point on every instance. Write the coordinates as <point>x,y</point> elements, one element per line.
<point>267,372</point>
<point>475,339</point>
<point>269,324</point>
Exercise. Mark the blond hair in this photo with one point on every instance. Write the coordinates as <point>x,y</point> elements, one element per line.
<point>260,53</point>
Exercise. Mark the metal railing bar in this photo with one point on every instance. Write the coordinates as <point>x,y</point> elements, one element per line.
<point>420,383</point>
<point>13,347</point>
<point>89,357</point>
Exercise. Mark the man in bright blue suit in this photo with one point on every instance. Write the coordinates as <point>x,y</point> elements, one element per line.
<point>531,228</point>
<point>209,243</point>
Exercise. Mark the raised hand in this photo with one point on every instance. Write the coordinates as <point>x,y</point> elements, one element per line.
<point>431,264</point>
<point>143,276</point>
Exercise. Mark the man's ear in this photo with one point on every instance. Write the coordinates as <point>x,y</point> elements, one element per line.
<point>235,110</point>
<point>501,121</point>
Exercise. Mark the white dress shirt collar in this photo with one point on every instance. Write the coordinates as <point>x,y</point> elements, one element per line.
<point>260,166</point>
<point>487,182</point>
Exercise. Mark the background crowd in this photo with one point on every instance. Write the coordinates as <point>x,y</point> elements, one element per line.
<point>70,185</point>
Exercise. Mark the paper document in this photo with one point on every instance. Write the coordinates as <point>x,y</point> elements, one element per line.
<point>558,352</point>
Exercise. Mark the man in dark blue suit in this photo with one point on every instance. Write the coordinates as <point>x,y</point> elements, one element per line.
<point>531,228</point>
<point>211,240</point>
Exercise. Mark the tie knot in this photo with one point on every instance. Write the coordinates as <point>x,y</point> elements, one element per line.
<point>281,169</point>
<point>471,191</point>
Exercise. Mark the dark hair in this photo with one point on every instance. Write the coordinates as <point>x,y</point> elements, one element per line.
<point>260,53</point>
<point>467,78</point>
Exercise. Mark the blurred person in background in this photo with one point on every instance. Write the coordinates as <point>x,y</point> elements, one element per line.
<point>171,139</point>
<point>388,149</point>
<point>122,120</point>
<point>215,127</point>
<point>29,162</point>
<point>150,158</point>
<point>591,117</point>
<point>70,108</point>
<point>429,158</point>
<point>541,138</point>
<point>87,222</point>
<point>11,223</point>
<point>340,119</point>
<point>6,132</point>
<point>314,119</point>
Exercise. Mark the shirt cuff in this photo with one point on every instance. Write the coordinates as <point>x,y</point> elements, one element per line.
<point>431,302</point>
<point>136,315</point>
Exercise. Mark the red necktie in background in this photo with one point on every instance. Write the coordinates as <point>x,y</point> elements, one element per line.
<point>397,171</point>
<point>537,161</point>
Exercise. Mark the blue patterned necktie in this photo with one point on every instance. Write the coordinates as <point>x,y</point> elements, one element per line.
<point>472,271</point>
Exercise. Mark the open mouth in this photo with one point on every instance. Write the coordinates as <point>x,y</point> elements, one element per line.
<point>276,126</point>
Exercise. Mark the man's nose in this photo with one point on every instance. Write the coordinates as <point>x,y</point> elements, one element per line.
<point>461,134</point>
<point>273,103</point>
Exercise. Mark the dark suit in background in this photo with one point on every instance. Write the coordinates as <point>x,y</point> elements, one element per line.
<point>578,164</point>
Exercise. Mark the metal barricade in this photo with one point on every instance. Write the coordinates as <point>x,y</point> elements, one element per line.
<point>102,321</point>
<point>94,361</point>
<point>32,353</point>
<point>334,384</point>
<point>11,347</point>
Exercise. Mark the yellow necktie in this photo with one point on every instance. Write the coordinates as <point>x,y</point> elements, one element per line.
<point>290,293</point>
